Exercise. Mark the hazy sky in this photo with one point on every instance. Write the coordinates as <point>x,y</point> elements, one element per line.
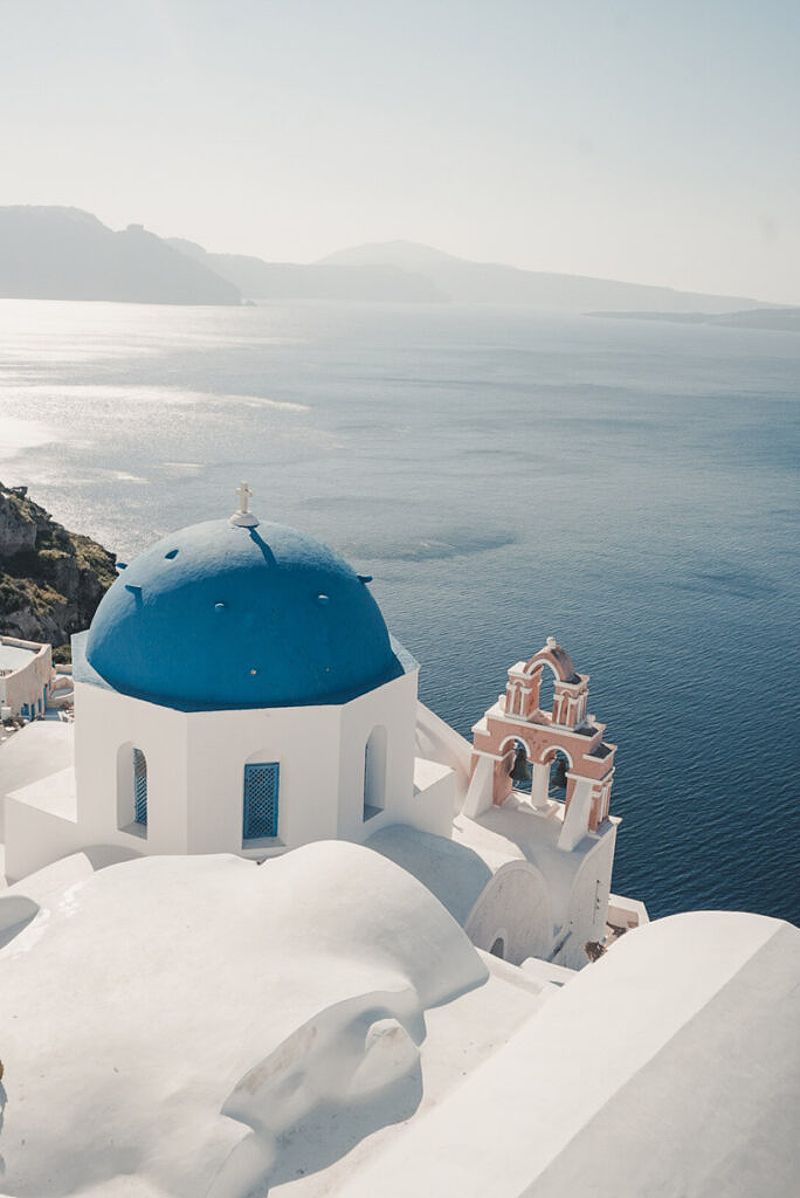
<point>650,140</point>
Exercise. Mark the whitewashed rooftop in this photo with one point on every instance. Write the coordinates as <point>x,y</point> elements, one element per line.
<point>202,1025</point>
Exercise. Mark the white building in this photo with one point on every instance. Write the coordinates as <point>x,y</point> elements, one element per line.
<point>238,691</point>
<point>26,672</point>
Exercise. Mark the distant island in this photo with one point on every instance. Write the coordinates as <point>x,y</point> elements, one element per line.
<point>68,254</point>
<point>466,282</point>
<point>784,320</point>
<point>402,271</point>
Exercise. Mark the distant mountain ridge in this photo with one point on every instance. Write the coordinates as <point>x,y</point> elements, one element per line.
<point>258,279</point>
<point>66,253</point>
<point>468,282</point>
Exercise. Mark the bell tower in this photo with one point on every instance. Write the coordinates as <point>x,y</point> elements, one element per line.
<point>517,725</point>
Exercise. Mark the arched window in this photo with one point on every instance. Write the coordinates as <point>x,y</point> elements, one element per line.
<point>260,801</point>
<point>547,689</point>
<point>131,789</point>
<point>375,773</point>
<point>139,764</point>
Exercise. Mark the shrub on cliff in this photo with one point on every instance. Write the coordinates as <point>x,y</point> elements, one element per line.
<point>51,580</point>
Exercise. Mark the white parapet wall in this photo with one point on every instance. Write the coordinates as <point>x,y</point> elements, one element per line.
<point>40,824</point>
<point>437,741</point>
<point>26,670</point>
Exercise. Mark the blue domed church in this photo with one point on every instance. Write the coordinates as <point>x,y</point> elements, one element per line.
<point>238,691</point>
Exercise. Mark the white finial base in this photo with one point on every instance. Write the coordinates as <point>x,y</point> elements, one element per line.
<point>243,518</point>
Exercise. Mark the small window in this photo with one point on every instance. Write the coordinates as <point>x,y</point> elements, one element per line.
<point>375,773</point>
<point>261,784</point>
<point>139,788</point>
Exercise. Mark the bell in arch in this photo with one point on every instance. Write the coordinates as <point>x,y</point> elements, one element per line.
<point>520,770</point>
<point>558,772</point>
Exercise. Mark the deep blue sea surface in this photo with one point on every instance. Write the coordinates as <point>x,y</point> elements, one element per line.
<point>628,487</point>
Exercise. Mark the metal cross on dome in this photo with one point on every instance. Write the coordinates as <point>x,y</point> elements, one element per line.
<point>244,518</point>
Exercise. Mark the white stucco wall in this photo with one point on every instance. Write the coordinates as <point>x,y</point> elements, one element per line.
<point>40,825</point>
<point>304,741</point>
<point>588,903</point>
<point>195,771</point>
<point>435,797</point>
<point>514,908</point>
<point>26,684</point>
<point>437,741</point>
<point>393,707</point>
<point>105,721</point>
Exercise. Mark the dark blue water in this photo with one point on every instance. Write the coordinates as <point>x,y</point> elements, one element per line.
<point>630,488</point>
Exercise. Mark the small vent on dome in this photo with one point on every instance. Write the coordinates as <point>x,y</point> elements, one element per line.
<point>172,553</point>
<point>323,599</point>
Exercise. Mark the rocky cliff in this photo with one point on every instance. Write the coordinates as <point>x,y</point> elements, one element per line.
<point>51,580</point>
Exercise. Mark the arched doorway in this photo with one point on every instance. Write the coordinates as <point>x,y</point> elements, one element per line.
<point>498,949</point>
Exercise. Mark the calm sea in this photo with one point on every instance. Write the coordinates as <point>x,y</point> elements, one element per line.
<point>630,488</point>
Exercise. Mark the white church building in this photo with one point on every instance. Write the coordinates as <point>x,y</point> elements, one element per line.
<point>238,692</point>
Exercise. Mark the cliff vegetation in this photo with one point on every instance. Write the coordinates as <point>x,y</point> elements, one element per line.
<point>51,580</point>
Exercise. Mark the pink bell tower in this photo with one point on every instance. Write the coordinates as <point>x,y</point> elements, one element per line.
<point>517,723</point>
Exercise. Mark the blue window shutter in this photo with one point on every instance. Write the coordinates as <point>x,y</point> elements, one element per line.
<point>261,785</point>
<point>139,787</point>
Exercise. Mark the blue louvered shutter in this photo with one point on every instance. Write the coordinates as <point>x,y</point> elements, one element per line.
<point>139,787</point>
<point>261,783</point>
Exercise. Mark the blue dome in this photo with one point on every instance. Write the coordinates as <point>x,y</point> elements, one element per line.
<point>220,616</point>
